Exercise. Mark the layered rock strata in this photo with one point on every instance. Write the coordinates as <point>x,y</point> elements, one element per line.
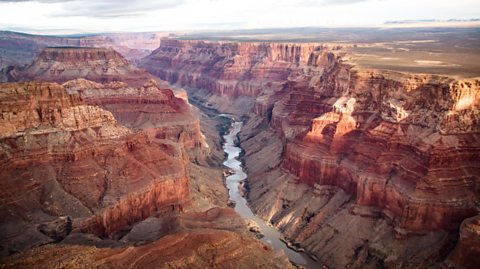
<point>61,157</point>
<point>61,64</point>
<point>88,164</point>
<point>238,70</point>
<point>18,49</point>
<point>330,146</point>
<point>150,108</point>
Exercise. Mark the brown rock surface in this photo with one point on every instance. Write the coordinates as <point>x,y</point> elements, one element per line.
<point>97,166</point>
<point>224,70</point>
<point>330,146</point>
<point>467,252</point>
<point>60,157</point>
<point>213,239</point>
<point>60,64</point>
<point>149,107</point>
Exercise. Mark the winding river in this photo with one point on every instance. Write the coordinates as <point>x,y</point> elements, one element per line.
<point>271,235</point>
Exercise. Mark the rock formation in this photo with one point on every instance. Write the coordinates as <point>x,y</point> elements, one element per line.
<point>241,70</point>
<point>61,157</point>
<point>360,167</point>
<point>146,107</point>
<point>61,64</point>
<point>214,239</point>
<point>18,49</point>
<point>467,252</point>
<point>87,164</point>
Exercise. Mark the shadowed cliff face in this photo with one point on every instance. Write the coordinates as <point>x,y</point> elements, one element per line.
<point>61,157</point>
<point>388,162</point>
<point>213,239</point>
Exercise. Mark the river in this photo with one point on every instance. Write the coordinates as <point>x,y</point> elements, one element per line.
<point>271,235</point>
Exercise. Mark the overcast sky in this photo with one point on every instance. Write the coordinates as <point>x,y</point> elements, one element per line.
<point>77,16</point>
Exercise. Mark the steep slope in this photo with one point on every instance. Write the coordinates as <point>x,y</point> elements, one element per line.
<point>214,239</point>
<point>357,166</point>
<point>231,72</point>
<point>71,174</point>
<point>90,164</point>
<point>144,108</point>
<point>61,157</point>
<point>60,64</point>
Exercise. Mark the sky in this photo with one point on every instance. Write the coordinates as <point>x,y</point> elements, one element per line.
<point>90,16</point>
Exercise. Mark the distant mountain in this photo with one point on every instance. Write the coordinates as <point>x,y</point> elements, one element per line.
<point>431,20</point>
<point>20,48</point>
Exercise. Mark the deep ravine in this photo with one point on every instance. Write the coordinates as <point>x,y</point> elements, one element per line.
<point>271,235</point>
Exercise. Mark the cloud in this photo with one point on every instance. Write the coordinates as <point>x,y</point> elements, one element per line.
<point>342,2</point>
<point>106,8</point>
<point>40,1</point>
<point>332,2</point>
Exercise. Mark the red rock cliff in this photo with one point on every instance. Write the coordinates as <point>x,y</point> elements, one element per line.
<point>232,69</point>
<point>400,149</point>
<point>60,64</point>
<point>61,157</point>
<point>150,108</point>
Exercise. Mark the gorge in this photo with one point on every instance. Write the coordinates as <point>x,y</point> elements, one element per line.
<point>105,163</point>
<point>98,172</point>
<point>269,234</point>
<point>349,163</point>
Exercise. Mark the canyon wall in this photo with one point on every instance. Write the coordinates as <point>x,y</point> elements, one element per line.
<point>359,167</point>
<point>62,157</point>
<point>225,70</point>
<point>150,108</point>
<point>115,163</point>
<point>60,64</point>
<point>17,49</point>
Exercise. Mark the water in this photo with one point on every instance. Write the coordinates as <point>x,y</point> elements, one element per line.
<point>272,236</point>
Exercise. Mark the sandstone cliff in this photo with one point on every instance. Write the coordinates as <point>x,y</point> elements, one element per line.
<point>145,107</point>
<point>357,166</point>
<point>62,157</point>
<point>239,70</point>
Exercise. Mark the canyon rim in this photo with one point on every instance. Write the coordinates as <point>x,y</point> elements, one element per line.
<point>259,146</point>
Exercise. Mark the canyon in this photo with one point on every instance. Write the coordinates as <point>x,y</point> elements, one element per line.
<point>61,64</point>
<point>18,49</point>
<point>363,168</point>
<point>103,160</point>
<point>106,163</point>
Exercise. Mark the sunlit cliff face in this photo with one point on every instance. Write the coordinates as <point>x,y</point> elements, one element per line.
<point>334,124</point>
